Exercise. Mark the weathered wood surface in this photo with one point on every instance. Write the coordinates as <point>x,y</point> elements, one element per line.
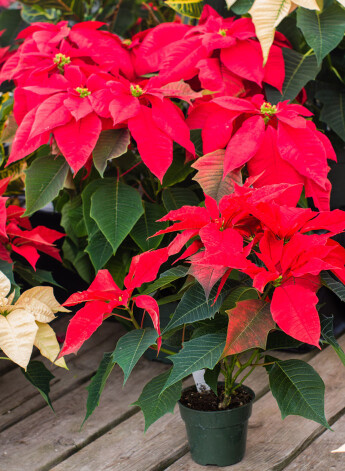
<point>113,438</point>
<point>127,448</point>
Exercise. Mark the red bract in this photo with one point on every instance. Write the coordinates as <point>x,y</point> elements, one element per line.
<point>223,53</point>
<point>104,295</point>
<point>293,268</point>
<point>276,142</point>
<point>17,235</point>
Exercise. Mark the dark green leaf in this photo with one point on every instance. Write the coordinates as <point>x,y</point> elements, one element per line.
<point>131,347</point>
<point>97,384</point>
<point>99,250</point>
<point>147,226</point>
<point>45,178</point>
<point>211,378</point>
<point>116,209</point>
<point>333,110</point>
<point>240,293</point>
<point>40,378</point>
<point>111,144</point>
<point>175,198</point>
<point>336,286</point>
<point>299,390</point>
<point>198,353</point>
<point>241,7</point>
<point>37,277</point>
<point>178,170</point>
<point>279,340</point>
<point>196,138</point>
<point>299,70</point>
<point>323,30</point>
<point>328,336</point>
<point>88,191</point>
<point>166,278</point>
<point>195,307</point>
<point>72,219</point>
<point>154,403</point>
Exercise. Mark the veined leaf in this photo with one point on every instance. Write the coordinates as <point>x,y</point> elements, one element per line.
<point>195,307</point>
<point>154,403</point>
<point>111,144</point>
<point>328,335</point>
<point>324,30</point>
<point>45,178</point>
<point>201,352</point>
<point>130,348</point>
<point>175,198</point>
<point>99,250</point>
<point>116,209</point>
<point>240,293</point>
<point>97,384</point>
<point>190,8</point>
<point>333,110</point>
<point>249,324</point>
<point>166,278</point>
<point>266,15</point>
<point>299,390</point>
<point>88,191</point>
<point>278,340</point>
<point>299,70</point>
<point>336,286</point>
<point>147,226</point>
<point>210,175</point>
<point>40,377</point>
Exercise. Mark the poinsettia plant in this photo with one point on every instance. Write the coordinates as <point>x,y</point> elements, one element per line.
<point>210,126</point>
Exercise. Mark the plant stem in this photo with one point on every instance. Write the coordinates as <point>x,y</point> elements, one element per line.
<point>5,358</point>
<point>163,350</point>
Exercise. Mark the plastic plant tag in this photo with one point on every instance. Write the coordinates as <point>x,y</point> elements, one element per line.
<point>199,380</point>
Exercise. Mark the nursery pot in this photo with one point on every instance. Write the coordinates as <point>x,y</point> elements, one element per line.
<point>217,437</point>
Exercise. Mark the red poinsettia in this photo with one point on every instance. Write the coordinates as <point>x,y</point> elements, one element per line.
<point>224,53</point>
<point>103,296</point>
<point>277,143</point>
<point>17,234</point>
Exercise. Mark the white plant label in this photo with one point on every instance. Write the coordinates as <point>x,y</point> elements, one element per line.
<point>199,380</point>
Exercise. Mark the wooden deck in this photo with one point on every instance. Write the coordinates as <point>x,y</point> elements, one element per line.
<point>113,439</point>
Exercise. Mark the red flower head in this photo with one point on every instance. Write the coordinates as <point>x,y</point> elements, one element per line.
<point>276,142</point>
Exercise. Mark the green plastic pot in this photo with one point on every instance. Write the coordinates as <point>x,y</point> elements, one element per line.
<point>217,437</point>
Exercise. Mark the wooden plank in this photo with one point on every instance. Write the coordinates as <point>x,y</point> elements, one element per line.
<point>272,442</point>
<point>19,399</point>
<point>44,439</point>
<point>318,456</point>
<point>164,442</point>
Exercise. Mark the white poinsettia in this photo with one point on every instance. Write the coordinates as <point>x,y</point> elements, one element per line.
<point>25,323</point>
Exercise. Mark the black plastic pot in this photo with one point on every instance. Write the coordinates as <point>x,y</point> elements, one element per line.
<point>217,437</point>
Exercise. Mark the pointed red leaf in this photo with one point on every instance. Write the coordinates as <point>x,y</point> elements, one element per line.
<point>150,305</point>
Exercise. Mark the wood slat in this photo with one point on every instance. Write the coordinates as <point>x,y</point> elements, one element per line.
<point>44,439</point>
<point>273,443</point>
<point>19,399</point>
<point>127,448</point>
<point>318,456</point>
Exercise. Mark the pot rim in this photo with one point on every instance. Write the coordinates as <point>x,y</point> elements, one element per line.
<point>218,411</point>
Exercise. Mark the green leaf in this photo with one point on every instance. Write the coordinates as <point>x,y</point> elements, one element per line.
<point>299,70</point>
<point>166,278</point>
<point>333,110</point>
<point>198,353</point>
<point>175,198</point>
<point>336,286</point>
<point>211,378</point>
<point>44,179</point>
<point>196,138</point>
<point>97,384</point>
<point>195,307</point>
<point>83,266</point>
<point>147,226</point>
<point>37,277</point>
<point>279,340</point>
<point>39,377</point>
<point>299,390</point>
<point>99,250</point>
<point>190,8</point>
<point>323,30</point>
<point>88,191</point>
<point>154,403</point>
<point>131,347</point>
<point>328,336</point>
<point>240,293</point>
<point>72,219</point>
<point>111,144</point>
<point>178,170</point>
<point>241,7</point>
<point>116,209</point>
<point>12,23</point>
